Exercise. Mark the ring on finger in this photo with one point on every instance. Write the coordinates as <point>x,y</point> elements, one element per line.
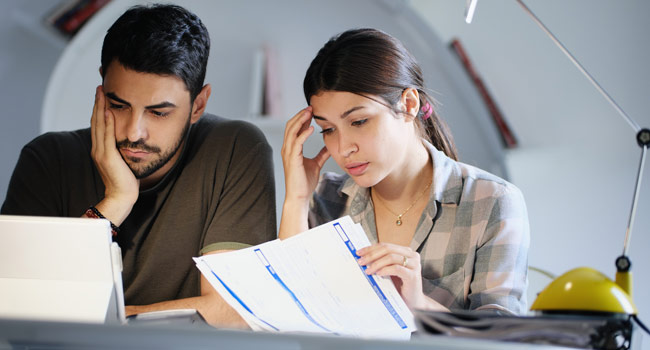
<point>405,261</point>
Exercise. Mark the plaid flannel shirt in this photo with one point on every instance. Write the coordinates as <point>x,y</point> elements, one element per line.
<point>472,237</point>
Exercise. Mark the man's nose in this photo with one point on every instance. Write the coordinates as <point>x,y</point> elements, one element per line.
<point>136,129</point>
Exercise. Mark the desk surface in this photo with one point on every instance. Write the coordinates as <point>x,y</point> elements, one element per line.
<point>44,335</point>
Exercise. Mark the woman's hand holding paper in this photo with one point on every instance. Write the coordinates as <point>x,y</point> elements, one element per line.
<point>402,264</point>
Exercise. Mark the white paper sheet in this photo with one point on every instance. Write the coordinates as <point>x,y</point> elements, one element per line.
<point>310,282</point>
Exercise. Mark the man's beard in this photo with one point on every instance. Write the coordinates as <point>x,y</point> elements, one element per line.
<point>155,164</point>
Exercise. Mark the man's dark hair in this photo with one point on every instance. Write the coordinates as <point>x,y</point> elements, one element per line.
<point>160,39</point>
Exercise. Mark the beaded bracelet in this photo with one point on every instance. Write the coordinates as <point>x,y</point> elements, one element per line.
<point>93,213</point>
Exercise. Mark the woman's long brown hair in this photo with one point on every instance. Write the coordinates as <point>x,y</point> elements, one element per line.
<point>371,62</point>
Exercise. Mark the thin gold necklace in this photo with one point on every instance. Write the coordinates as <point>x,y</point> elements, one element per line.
<point>398,222</point>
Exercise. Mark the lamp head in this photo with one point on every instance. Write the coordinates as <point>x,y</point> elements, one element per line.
<point>584,290</point>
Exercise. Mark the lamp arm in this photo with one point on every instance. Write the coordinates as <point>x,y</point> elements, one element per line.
<point>623,264</point>
<point>643,137</point>
<point>582,69</point>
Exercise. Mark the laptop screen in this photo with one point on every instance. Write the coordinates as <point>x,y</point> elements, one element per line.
<point>59,269</point>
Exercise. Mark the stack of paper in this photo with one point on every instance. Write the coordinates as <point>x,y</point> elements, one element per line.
<point>310,282</point>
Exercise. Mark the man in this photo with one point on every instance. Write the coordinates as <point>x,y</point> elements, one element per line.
<point>174,183</point>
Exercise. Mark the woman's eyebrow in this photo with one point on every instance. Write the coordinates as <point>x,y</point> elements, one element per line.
<point>343,115</point>
<point>346,113</point>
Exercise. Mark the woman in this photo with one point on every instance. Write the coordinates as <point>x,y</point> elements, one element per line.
<point>451,236</point>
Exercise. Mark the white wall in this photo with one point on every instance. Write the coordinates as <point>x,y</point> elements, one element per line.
<point>578,159</point>
<point>28,52</point>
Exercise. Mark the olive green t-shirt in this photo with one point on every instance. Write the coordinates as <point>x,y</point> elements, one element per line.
<point>219,195</point>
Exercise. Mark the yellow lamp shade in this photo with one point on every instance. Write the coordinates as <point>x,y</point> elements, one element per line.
<point>584,289</point>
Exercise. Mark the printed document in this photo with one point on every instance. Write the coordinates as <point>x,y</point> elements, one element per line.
<point>310,282</point>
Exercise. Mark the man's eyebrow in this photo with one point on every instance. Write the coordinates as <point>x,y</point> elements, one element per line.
<point>344,114</point>
<point>165,104</point>
<point>112,96</point>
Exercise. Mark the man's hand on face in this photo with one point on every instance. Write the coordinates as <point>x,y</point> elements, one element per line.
<point>122,187</point>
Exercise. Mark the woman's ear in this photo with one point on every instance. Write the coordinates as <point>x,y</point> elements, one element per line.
<point>200,102</point>
<point>410,102</point>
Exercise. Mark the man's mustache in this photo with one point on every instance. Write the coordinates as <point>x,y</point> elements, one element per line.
<point>138,145</point>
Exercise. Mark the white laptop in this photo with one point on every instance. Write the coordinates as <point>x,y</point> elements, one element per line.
<point>60,269</point>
